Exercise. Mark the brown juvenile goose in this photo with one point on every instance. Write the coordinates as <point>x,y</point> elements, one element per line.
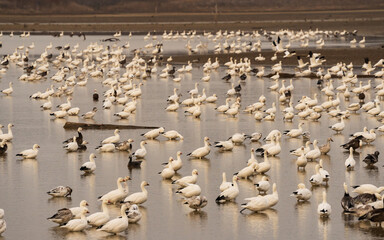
<point>324,149</point>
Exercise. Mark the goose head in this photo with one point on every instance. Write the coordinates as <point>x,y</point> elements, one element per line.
<point>83,203</point>
<point>35,146</point>
<point>301,186</point>
<point>195,172</point>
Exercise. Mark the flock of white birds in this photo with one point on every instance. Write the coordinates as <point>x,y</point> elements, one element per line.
<point>122,75</point>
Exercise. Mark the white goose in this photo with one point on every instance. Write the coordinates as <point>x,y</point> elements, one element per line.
<point>118,224</point>
<point>108,147</point>
<point>316,179</point>
<point>172,135</point>
<point>350,161</point>
<point>224,184</point>
<point>30,153</point>
<point>301,161</point>
<point>257,204</point>
<point>3,224</point>
<point>263,167</point>
<point>252,159</point>
<point>99,218</point>
<point>168,172</point>
<point>202,151</point>
<point>138,197</point>
<point>72,146</point>
<point>76,225</point>
<point>9,135</point>
<point>263,185</point>
<point>76,211</point>
<point>89,167</point>
<point>314,153</point>
<point>324,173</point>
<point>324,209</point>
<point>141,152</point>
<point>8,91</point>
<point>302,193</point>
<point>184,181</point>
<point>230,193</point>
<point>338,127</point>
<point>293,133</point>
<point>153,133</point>
<point>367,188</point>
<point>116,195</point>
<point>191,190</point>
<point>247,171</point>
<point>112,139</point>
<point>225,145</point>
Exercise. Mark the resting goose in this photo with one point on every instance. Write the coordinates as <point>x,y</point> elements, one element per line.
<point>247,171</point>
<point>118,224</point>
<point>62,216</point>
<point>184,181</point>
<point>9,135</point>
<point>112,139</point>
<point>201,152</point>
<point>367,188</point>
<point>230,193</point>
<point>99,218</point>
<point>324,209</point>
<point>89,167</point>
<point>302,193</point>
<point>197,202</point>
<point>60,191</point>
<point>139,197</point>
<point>125,146</point>
<point>133,214</point>
<point>225,145</point>
<point>190,190</point>
<point>76,225</point>
<point>72,146</point>
<point>153,133</point>
<point>30,153</point>
<point>263,185</point>
<point>173,135</point>
<point>8,91</point>
<point>141,152</point>
<point>168,172</point>
<point>76,211</point>
<point>116,195</point>
<point>108,147</point>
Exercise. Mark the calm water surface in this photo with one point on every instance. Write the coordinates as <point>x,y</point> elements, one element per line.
<point>24,183</point>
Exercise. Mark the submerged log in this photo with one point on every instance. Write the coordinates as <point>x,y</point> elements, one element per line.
<point>75,125</point>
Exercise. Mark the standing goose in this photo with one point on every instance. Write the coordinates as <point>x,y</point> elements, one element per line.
<point>112,139</point>
<point>315,153</point>
<point>176,164</point>
<point>141,152</point>
<point>76,225</point>
<point>324,209</point>
<point>139,197</point>
<point>263,167</point>
<point>263,185</point>
<point>224,184</point>
<point>338,127</point>
<point>324,173</point>
<point>168,172</point>
<point>191,190</point>
<point>172,135</point>
<point>272,198</point>
<point>8,91</point>
<point>350,161</point>
<point>247,171</point>
<point>99,218</point>
<point>118,224</point>
<point>116,195</point>
<point>293,133</point>
<point>324,149</point>
<point>301,161</point>
<point>230,193</point>
<point>197,203</point>
<point>3,146</point>
<point>302,193</point>
<point>89,167</point>
<point>252,159</point>
<point>256,204</point>
<point>192,179</point>
<point>62,216</point>
<point>9,135</point>
<point>347,201</point>
<point>367,188</point>
<point>153,133</point>
<point>370,159</point>
<point>202,151</point>
<point>316,179</point>
<point>30,153</point>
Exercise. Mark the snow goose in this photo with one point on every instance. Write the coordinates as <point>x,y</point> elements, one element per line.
<point>134,215</point>
<point>118,224</point>
<point>324,209</point>
<point>230,193</point>
<point>324,173</point>
<point>141,152</point>
<point>125,146</point>
<point>9,135</point>
<point>108,147</point>
<point>224,184</point>
<point>256,136</point>
<point>239,138</point>
<point>293,133</point>
<point>252,159</point>
<point>62,216</point>
<point>3,146</point>
<point>184,181</point>
<point>302,193</point>
<point>225,145</point>
<point>297,152</point>
<point>172,135</point>
<point>197,202</point>
<point>113,139</point>
<point>8,91</point>
<point>99,218</point>
<point>273,150</point>
<point>211,99</point>
<point>316,179</point>
<point>72,146</point>
<point>314,153</point>
<point>116,195</point>
<point>347,201</point>
<point>30,153</point>
<point>194,91</point>
<point>153,133</point>
<point>247,171</point>
<point>90,114</point>
<point>89,167</point>
<point>367,188</point>
<point>176,164</point>
<point>65,106</point>
<point>202,151</point>
<point>190,191</point>
<point>76,211</point>
<point>263,167</point>
<point>350,161</point>
<point>139,197</point>
<point>324,149</point>
<point>168,172</point>
<point>59,114</point>
<point>256,204</point>
<point>263,185</point>
<point>223,108</point>
<point>60,191</point>
<point>3,224</point>
<point>273,198</point>
<point>301,161</point>
<point>76,225</point>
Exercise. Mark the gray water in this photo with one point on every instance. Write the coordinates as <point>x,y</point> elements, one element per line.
<point>24,183</point>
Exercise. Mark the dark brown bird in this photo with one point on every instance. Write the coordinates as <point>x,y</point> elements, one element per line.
<point>354,143</point>
<point>371,159</point>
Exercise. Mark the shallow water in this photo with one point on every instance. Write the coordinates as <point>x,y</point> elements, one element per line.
<point>24,183</point>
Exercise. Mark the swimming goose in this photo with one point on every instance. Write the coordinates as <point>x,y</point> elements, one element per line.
<point>263,185</point>
<point>139,197</point>
<point>350,161</point>
<point>371,159</point>
<point>230,193</point>
<point>116,195</point>
<point>347,201</point>
<point>89,167</point>
<point>168,172</point>
<point>141,152</point>
<point>202,151</point>
<point>172,135</point>
<point>99,218</point>
<point>184,181</point>
<point>78,139</point>
<point>60,191</point>
<point>76,225</point>
<point>113,139</point>
<point>367,188</point>
<point>118,224</point>
<point>197,202</point>
<point>153,133</point>
<point>190,191</point>
<point>76,211</point>
<point>62,216</point>
<point>8,91</point>
<point>302,193</point>
<point>9,135</point>
<point>324,209</point>
<point>30,153</point>
<point>133,214</point>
